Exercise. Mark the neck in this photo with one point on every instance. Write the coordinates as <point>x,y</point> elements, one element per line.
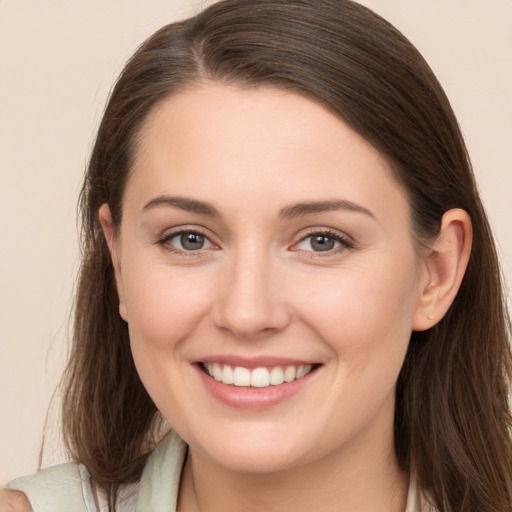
<point>363,478</point>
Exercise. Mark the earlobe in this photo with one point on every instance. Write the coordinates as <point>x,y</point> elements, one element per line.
<point>105,218</point>
<point>444,268</point>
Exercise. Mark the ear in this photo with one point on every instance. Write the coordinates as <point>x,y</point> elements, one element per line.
<point>112,243</point>
<point>444,266</point>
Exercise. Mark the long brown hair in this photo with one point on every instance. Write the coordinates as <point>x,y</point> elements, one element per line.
<point>452,421</point>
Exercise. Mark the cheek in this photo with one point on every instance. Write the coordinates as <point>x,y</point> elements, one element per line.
<point>164,304</point>
<point>363,311</point>
<point>164,307</point>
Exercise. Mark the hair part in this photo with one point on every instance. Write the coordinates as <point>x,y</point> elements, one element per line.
<point>452,421</point>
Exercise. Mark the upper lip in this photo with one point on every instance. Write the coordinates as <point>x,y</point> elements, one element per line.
<point>255,362</point>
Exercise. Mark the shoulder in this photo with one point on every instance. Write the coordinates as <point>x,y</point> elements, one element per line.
<point>57,488</point>
<point>14,501</point>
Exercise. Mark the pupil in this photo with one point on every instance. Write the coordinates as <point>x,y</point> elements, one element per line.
<point>192,241</point>
<point>322,243</point>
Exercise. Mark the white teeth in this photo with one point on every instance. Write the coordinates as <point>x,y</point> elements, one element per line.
<point>301,371</point>
<point>290,374</point>
<point>227,375</point>
<point>259,377</point>
<point>241,376</point>
<point>217,372</point>
<point>276,376</point>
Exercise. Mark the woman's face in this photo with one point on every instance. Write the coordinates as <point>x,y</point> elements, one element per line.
<point>262,239</point>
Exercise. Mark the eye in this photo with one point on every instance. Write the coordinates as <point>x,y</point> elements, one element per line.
<point>323,242</point>
<point>187,241</point>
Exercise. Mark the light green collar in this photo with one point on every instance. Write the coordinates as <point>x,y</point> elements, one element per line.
<point>160,480</point>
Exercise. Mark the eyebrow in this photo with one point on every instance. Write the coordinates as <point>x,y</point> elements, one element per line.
<point>183,203</point>
<point>289,212</point>
<point>312,207</point>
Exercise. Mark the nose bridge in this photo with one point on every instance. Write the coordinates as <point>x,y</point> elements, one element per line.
<point>251,300</point>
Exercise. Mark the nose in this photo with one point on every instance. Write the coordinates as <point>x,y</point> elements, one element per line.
<point>251,302</point>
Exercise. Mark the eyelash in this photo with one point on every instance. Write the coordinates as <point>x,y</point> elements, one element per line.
<point>344,241</point>
<point>164,242</point>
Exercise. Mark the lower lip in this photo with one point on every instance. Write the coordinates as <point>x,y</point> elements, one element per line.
<point>245,397</point>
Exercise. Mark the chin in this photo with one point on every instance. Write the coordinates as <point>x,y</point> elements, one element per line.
<point>262,461</point>
<point>252,454</point>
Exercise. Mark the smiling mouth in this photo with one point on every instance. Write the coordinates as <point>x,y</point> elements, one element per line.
<point>261,377</point>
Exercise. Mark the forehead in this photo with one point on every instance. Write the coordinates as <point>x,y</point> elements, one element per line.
<point>256,144</point>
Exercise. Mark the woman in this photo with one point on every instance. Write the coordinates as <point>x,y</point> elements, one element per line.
<point>285,256</point>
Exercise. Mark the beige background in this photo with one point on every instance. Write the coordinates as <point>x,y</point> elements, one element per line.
<point>58,59</point>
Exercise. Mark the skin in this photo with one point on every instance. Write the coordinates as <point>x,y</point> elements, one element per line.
<point>258,287</point>
<point>13,501</point>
